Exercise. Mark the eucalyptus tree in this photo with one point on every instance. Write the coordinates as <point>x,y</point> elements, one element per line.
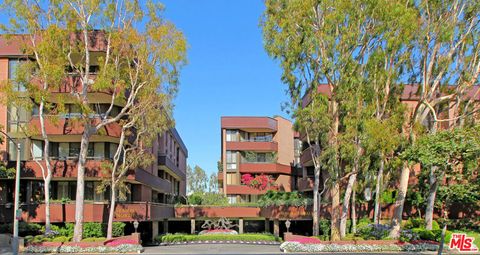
<point>331,42</point>
<point>138,48</point>
<point>311,119</point>
<point>38,34</point>
<point>445,65</point>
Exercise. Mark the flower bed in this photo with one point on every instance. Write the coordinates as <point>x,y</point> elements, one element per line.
<point>122,248</point>
<point>125,244</point>
<point>334,247</point>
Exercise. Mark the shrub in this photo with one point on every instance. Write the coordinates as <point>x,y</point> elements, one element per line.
<point>24,228</point>
<point>171,238</point>
<point>92,229</point>
<point>123,248</point>
<point>94,239</point>
<point>195,199</point>
<point>62,239</point>
<point>118,229</point>
<point>415,223</point>
<point>278,198</point>
<point>324,225</point>
<point>374,231</point>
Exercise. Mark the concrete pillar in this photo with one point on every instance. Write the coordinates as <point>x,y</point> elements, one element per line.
<point>240,226</point>
<point>154,229</point>
<point>165,226</point>
<point>192,226</point>
<point>267,225</point>
<point>276,228</point>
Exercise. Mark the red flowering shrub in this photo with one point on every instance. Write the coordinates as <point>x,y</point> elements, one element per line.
<point>117,242</point>
<point>260,182</point>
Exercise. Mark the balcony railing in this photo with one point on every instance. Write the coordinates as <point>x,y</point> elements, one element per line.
<point>166,161</point>
<point>257,139</point>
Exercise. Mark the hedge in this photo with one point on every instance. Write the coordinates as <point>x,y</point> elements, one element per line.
<point>171,238</point>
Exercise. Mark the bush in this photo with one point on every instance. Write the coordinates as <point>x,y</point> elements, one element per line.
<point>92,229</point>
<point>24,228</point>
<point>374,231</point>
<point>94,239</point>
<point>62,239</point>
<point>415,223</point>
<point>195,199</point>
<point>279,198</point>
<point>324,226</point>
<point>118,229</point>
<point>171,238</point>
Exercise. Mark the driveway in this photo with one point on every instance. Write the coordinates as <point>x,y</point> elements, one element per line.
<point>230,249</point>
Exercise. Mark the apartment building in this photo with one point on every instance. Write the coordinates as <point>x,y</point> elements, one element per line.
<point>152,189</point>
<point>257,146</point>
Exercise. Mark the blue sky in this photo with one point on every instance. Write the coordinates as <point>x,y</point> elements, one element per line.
<point>228,74</point>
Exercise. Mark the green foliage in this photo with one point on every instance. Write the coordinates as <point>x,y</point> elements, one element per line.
<point>207,198</point>
<point>389,196</point>
<point>324,226</point>
<point>24,228</point>
<point>279,198</point>
<point>94,239</point>
<point>62,239</point>
<point>92,229</point>
<point>7,172</point>
<point>118,229</point>
<point>197,180</point>
<point>170,238</point>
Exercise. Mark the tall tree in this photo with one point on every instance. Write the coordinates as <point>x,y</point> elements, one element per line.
<point>327,42</point>
<point>115,28</point>
<point>30,87</point>
<point>197,180</point>
<point>445,52</point>
<point>312,121</point>
<point>213,183</point>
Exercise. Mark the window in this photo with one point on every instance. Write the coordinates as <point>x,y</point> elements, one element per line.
<point>89,190</point>
<point>74,149</point>
<point>232,179</point>
<point>17,119</point>
<point>113,149</point>
<point>63,150</point>
<point>12,149</point>
<point>231,160</point>
<point>37,149</point>
<point>99,149</point>
<point>53,150</point>
<point>12,74</point>
<point>232,135</point>
<point>232,199</point>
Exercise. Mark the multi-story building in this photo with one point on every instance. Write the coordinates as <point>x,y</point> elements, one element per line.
<point>152,189</point>
<point>256,146</point>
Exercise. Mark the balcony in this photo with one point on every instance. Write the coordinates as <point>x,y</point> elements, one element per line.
<point>163,160</point>
<point>66,126</point>
<point>264,167</point>
<point>252,146</point>
<point>258,124</point>
<point>153,181</point>
<point>306,156</point>
<point>64,168</point>
<point>93,212</point>
<point>305,184</point>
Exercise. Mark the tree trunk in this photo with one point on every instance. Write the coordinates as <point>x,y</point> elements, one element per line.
<point>335,216</point>
<point>354,211</point>
<point>316,202</point>
<point>400,201</point>
<point>111,213</point>
<point>346,203</point>
<point>378,190</point>
<point>79,200</point>
<point>46,149</point>
<point>431,199</point>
